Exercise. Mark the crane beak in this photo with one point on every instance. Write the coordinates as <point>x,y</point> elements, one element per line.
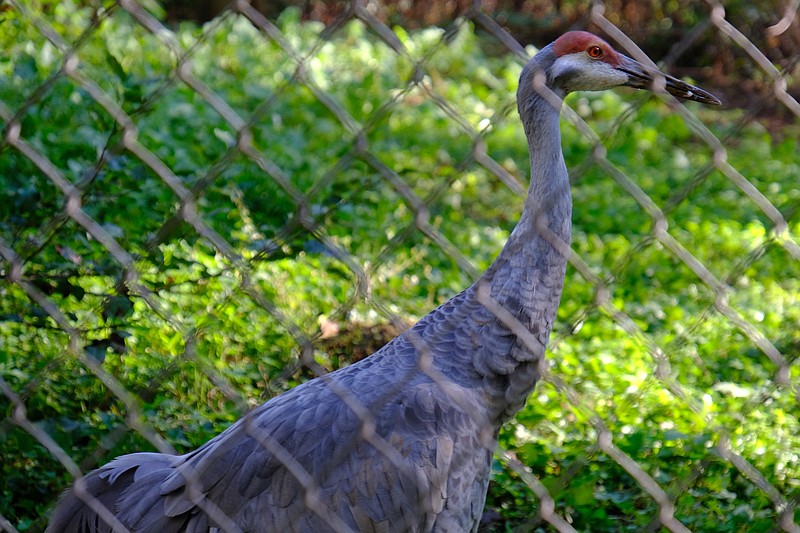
<point>642,77</point>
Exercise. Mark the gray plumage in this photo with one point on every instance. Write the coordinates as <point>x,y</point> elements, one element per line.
<point>403,440</point>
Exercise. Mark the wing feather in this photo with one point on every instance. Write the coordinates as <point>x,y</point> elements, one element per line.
<point>362,484</point>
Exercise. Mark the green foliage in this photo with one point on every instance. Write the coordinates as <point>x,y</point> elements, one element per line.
<point>360,170</point>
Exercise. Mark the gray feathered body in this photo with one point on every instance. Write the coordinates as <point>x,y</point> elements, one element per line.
<point>401,441</point>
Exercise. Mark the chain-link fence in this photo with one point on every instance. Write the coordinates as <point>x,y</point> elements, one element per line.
<point>198,218</point>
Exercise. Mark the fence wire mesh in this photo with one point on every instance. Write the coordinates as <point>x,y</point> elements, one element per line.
<point>198,218</point>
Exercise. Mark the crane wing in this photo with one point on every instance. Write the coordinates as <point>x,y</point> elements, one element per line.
<point>373,473</point>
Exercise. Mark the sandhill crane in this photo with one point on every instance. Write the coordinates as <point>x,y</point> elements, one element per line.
<point>403,440</point>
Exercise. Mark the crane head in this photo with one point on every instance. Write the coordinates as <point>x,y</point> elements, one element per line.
<point>585,62</point>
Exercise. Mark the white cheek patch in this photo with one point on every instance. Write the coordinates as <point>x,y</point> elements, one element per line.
<point>569,65</point>
<point>578,72</point>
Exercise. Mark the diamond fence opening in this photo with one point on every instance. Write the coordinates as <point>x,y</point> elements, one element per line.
<point>196,218</point>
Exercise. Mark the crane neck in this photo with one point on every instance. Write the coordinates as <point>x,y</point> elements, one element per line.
<point>542,235</point>
<point>527,277</point>
<point>496,345</point>
<point>549,191</point>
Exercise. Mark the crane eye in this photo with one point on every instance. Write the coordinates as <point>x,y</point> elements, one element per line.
<point>595,52</point>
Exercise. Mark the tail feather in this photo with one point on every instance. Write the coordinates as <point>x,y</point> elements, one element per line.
<point>128,488</point>
<point>73,515</point>
<point>142,462</point>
